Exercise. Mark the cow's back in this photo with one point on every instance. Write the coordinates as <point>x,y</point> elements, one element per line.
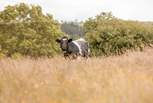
<point>84,45</point>
<point>79,46</point>
<point>73,48</point>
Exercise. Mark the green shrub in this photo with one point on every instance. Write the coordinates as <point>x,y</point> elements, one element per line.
<point>112,36</point>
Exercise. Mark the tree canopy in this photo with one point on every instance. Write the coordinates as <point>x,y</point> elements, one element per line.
<point>109,35</point>
<point>26,30</point>
<point>73,28</point>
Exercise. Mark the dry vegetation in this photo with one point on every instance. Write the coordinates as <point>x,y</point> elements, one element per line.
<point>122,79</point>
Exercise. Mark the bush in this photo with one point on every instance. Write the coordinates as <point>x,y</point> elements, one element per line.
<point>112,36</point>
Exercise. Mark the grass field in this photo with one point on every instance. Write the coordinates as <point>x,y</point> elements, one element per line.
<point>119,79</point>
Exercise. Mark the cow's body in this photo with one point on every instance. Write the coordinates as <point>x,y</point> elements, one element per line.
<point>74,48</point>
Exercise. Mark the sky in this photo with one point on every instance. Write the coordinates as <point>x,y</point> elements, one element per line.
<point>68,10</point>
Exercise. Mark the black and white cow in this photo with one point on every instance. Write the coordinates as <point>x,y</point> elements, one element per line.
<point>74,48</point>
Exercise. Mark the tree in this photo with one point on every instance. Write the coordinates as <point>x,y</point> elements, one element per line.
<point>27,31</point>
<point>73,29</point>
<point>109,35</point>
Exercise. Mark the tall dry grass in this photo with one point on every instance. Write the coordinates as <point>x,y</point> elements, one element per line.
<point>122,79</point>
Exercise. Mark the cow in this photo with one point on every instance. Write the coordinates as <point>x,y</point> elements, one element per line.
<point>74,48</point>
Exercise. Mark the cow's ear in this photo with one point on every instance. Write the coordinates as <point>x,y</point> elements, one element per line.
<point>69,40</point>
<point>58,40</point>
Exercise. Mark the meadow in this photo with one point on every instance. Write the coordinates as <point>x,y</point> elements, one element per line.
<point>115,79</point>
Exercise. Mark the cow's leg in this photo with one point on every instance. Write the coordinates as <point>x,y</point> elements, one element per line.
<point>66,55</point>
<point>84,54</point>
<point>74,56</point>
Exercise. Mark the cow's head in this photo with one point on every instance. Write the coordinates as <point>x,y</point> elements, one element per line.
<point>64,42</point>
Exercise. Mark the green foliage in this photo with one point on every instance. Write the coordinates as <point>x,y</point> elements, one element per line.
<point>74,29</point>
<point>111,36</point>
<point>25,30</point>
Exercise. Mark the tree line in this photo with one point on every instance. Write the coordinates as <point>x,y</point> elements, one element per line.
<point>26,31</point>
<point>109,35</point>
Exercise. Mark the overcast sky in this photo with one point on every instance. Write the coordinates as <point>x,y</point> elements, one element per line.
<point>82,9</point>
